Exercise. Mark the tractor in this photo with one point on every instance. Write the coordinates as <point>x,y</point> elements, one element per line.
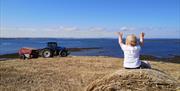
<point>53,49</point>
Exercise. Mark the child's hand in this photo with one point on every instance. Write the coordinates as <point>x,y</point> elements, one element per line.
<point>120,37</point>
<point>120,33</point>
<point>142,35</point>
<point>142,39</point>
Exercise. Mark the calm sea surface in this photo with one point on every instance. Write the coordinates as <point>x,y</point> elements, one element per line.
<point>109,47</point>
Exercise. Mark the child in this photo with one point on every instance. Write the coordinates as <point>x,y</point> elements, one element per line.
<point>131,51</point>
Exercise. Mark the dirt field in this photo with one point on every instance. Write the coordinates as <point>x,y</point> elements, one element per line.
<point>65,74</point>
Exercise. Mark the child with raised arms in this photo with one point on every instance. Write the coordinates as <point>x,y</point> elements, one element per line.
<point>131,51</point>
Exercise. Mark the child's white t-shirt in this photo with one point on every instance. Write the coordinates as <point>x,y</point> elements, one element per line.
<point>131,56</point>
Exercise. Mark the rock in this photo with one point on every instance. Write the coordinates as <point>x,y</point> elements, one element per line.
<point>134,80</point>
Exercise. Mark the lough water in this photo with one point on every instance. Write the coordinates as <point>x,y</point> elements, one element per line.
<point>162,48</point>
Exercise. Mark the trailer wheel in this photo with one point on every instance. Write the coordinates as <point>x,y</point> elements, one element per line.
<point>63,53</point>
<point>22,57</point>
<point>47,53</point>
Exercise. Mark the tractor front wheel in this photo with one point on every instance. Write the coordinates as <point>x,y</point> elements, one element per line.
<point>64,53</point>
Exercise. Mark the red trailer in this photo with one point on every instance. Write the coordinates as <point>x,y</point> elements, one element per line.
<point>26,53</point>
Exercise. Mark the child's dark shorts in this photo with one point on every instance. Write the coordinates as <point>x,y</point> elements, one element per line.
<point>144,65</point>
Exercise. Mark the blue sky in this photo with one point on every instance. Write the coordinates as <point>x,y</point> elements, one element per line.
<point>89,18</point>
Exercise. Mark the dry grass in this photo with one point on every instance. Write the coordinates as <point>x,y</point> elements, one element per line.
<point>64,74</point>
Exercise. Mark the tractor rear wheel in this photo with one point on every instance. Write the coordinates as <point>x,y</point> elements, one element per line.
<point>46,53</point>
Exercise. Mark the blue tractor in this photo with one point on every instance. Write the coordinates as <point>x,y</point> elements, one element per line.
<point>53,49</point>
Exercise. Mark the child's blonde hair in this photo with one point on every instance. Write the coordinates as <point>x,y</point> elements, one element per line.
<point>131,40</point>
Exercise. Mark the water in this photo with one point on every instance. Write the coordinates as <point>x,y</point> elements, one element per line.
<point>109,47</point>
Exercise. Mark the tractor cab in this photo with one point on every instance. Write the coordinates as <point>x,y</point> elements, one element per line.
<point>52,45</point>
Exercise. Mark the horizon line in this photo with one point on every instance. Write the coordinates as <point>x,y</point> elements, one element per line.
<point>73,38</point>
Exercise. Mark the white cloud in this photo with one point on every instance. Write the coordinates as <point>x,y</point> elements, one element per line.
<point>125,28</point>
<point>92,32</point>
<point>61,32</point>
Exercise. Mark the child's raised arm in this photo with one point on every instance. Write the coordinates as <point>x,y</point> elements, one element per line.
<point>142,39</point>
<point>120,37</point>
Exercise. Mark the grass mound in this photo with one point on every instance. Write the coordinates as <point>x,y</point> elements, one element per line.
<point>134,79</point>
<point>75,73</point>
